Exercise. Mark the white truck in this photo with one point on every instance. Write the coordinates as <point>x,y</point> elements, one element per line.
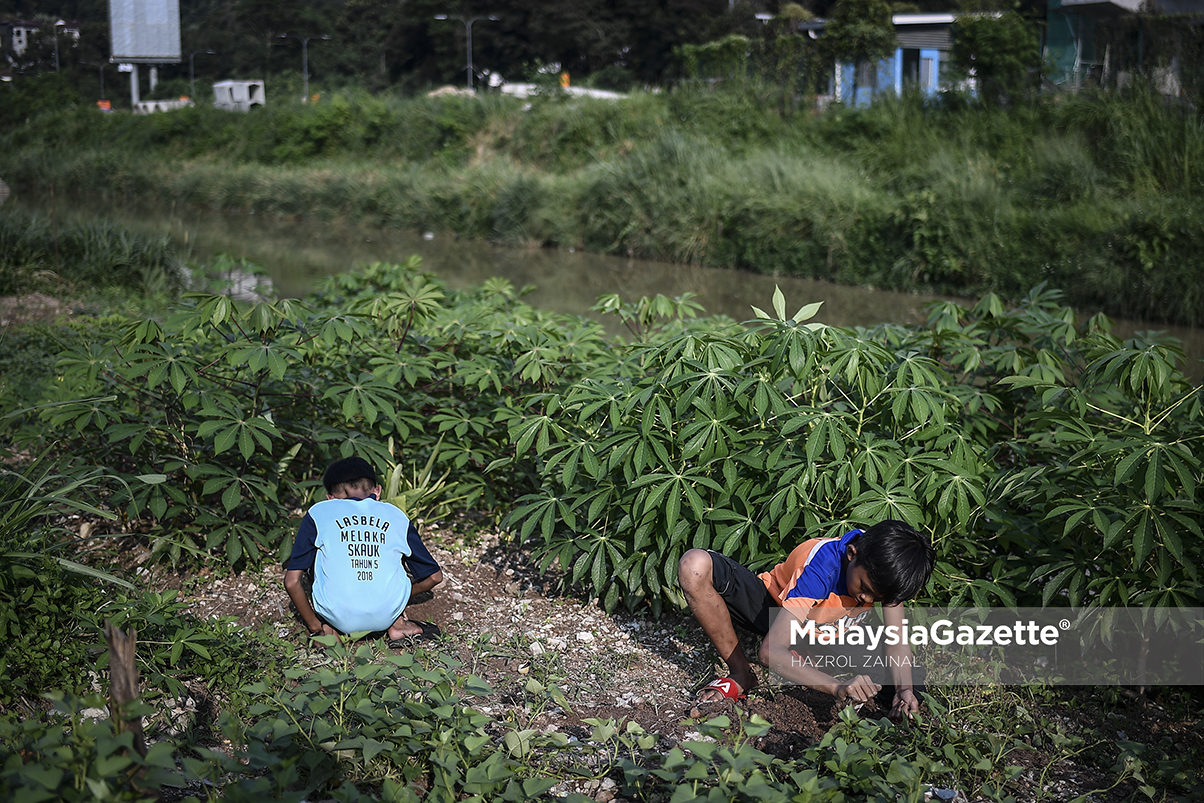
<point>238,96</point>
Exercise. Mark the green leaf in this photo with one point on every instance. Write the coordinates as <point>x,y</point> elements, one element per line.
<point>225,439</point>
<point>232,496</point>
<point>1125,468</point>
<point>1143,539</point>
<point>807,312</point>
<point>1155,477</point>
<point>199,649</point>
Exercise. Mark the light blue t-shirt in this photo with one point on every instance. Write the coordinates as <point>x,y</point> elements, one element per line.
<point>359,580</point>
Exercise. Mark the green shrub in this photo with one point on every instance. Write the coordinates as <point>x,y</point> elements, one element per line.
<point>984,430</point>
<point>53,607</point>
<point>214,421</point>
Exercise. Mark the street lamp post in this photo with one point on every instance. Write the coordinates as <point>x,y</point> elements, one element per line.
<point>468,34</point>
<point>304,40</point>
<point>56,44</point>
<point>191,83</point>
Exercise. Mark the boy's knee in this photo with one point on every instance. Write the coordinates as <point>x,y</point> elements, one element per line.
<point>694,569</point>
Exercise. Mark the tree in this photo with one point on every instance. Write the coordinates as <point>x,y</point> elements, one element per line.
<point>859,31</point>
<point>1001,53</point>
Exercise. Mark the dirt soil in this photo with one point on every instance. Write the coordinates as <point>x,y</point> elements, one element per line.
<point>31,307</point>
<point>507,623</point>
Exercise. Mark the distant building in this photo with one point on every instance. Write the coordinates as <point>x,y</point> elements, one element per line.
<point>922,56</point>
<point>17,35</point>
<point>1075,56</point>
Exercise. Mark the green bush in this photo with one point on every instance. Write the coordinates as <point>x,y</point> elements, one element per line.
<point>985,429</point>
<point>26,98</point>
<point>214,421</point>
<point>28,355</point>
<point>999,50</point>
<point>53,607</point>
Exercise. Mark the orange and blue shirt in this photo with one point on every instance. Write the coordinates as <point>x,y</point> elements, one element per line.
<point>813,577</point>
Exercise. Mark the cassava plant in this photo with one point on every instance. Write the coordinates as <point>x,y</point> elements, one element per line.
<point>213,421</point>
<point>1048,461</point>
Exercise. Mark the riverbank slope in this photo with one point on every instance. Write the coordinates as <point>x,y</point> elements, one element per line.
<point>1098,195</point>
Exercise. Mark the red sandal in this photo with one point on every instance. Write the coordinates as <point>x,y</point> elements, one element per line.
<point>727,687</point>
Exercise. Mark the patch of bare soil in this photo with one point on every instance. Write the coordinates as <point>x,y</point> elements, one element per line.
<point>29,308</point>
<point>508,624</point>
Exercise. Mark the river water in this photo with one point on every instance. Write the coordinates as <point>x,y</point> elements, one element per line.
<point>298,253</point>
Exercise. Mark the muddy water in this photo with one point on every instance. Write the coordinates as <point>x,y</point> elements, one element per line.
<point>297,253</point>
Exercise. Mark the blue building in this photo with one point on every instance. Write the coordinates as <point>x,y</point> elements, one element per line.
<point>922,56</point>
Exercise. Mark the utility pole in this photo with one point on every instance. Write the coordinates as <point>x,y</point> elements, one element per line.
<point>56,44</point>
<point>191,83</point>
<point>304,40</point>
<point>468,33</point>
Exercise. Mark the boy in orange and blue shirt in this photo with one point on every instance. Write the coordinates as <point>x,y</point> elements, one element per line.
<point>823,580</point>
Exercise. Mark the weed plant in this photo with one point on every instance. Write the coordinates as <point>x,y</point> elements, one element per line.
<point>53,606</point>
<point>85,258</point>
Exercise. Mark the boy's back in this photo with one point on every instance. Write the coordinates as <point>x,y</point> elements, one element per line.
<point>359,580</point>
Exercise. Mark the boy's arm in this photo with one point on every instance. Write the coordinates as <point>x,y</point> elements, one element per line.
<point>427,583</point>
<point>899,657</point>
<point>776,653</point>
<point>420,563</point>
<point>296,592</point>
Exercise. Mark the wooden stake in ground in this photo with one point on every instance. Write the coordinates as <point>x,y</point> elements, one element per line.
<point>123,682</point>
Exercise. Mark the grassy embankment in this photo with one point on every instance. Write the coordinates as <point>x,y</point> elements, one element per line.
<point>102,262</point>
<point>1098,195</point>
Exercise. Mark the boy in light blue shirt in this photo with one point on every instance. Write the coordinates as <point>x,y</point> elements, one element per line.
<point>362,553</point>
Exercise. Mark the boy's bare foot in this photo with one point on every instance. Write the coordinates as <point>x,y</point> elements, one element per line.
<point>406,629</point>
<point>402,628</point>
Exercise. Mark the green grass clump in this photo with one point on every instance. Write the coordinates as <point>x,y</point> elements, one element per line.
<point>35,254</point>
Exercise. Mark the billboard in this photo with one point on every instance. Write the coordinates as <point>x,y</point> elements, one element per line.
<point>145,31</point>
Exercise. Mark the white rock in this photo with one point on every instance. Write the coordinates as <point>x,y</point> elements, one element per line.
<point>536,648</point>
<point>585,636</point>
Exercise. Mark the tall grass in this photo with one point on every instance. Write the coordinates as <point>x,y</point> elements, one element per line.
<point>85,257</point>
<point>1151,144</point>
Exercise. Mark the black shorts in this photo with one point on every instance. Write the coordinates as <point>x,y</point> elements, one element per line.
<point>746,597</point>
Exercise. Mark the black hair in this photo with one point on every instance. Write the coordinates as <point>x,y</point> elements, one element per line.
<point>347,471</point>
<point>897,559</point>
